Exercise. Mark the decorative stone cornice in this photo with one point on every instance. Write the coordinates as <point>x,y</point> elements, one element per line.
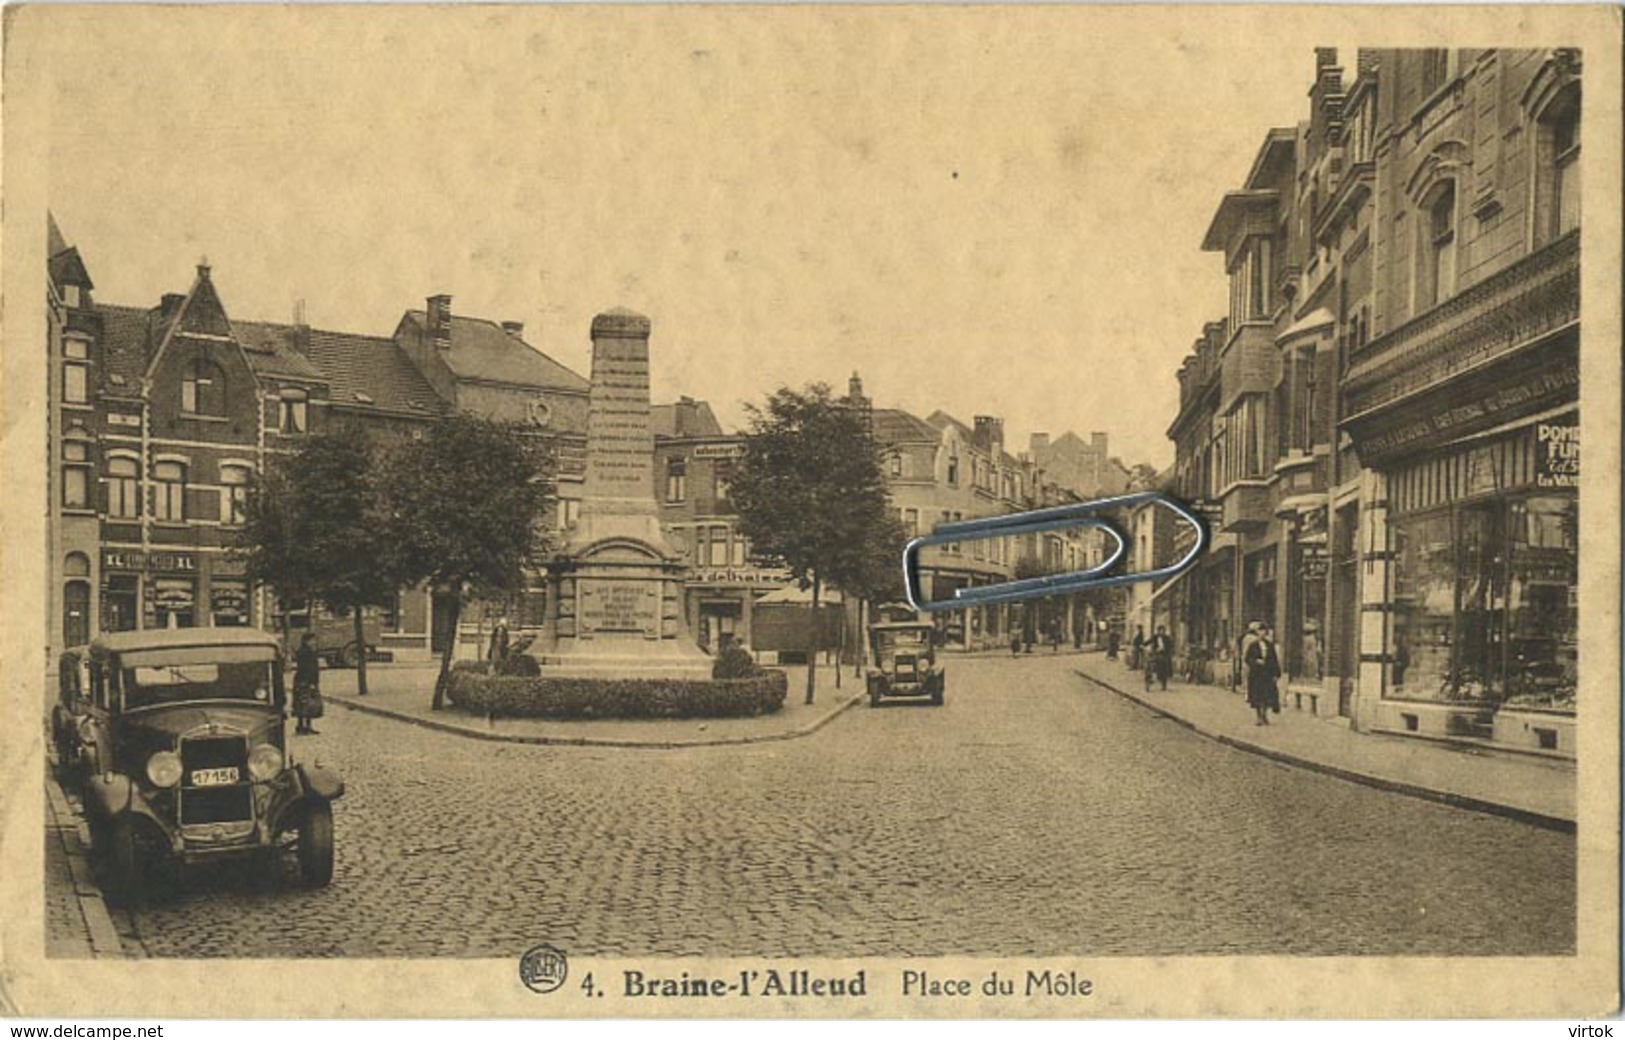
<point>620,323</point>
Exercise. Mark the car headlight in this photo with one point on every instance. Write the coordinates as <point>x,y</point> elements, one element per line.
<point>164,769</point>
<point>264,762</point>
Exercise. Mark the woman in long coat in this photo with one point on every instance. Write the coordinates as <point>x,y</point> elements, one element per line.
<point>307,684</point>
<point>1263,670</point>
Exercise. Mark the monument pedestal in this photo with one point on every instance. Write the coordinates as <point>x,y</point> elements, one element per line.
<point>616,588</point>
<point>615,612</point>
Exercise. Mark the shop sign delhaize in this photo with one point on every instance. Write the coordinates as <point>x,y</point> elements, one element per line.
<point>719,451</point>
<point>1557,455</point>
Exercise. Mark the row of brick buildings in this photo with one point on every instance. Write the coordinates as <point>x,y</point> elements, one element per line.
<point>162,415</point>
<point>1383,429</point>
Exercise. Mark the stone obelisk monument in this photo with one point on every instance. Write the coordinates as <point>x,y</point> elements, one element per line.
<point>615,589</point>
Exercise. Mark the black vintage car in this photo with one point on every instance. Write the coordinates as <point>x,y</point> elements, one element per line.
<point>176,741</point>
<point>904,662</point>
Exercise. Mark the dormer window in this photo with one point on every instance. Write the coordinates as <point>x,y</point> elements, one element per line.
<point>292,418</point>
<point>203,389</point>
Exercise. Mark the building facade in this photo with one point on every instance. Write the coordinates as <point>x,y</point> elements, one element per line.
<point>161,418</point>
<point>1385,430</point>
<point>1462,404</point>
<point>694,462</point>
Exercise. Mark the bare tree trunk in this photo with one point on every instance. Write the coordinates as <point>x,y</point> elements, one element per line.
<point>840,642</point>
<point>360,652</point>
<point>444,680</point>
<point>812,653</point>
<point>859,658</point>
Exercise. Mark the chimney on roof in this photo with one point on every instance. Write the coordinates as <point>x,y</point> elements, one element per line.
<point>989,434</point>
<point>170,304</point>
<point>301,330</point>
<point>203,268</point>
<point>438,312</point>
<point>1097,443</point>
<point>516,329</point>
<point>685,417</point>
<point>1038,445</point>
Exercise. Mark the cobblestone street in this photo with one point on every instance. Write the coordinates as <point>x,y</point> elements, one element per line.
<point>1033,814</point>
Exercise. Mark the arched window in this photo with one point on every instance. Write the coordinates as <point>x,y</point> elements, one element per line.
<point>1552,102</point>
<point>1558,179</point>
<point>1436,257</point>
<point>203,388</point>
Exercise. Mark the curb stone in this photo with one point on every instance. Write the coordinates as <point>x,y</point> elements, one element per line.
<point>104,937</point>
<point>1451,798</point>
<point>463,730</point>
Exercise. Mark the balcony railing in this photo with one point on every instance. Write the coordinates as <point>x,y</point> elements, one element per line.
<point>1536,295</point>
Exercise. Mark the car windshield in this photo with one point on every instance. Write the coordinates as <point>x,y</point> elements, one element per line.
<point>907,637</point>
<point>174,677</point>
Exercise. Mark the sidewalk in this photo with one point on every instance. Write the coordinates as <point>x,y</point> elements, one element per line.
<point>1535,790</point>
<point>404,691</point>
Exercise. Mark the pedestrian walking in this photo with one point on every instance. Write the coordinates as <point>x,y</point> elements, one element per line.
<point>1238,676</point>
<point>1015,642</point>
<point>1114,642</point>
<point>307,684</point>
<point>1137,648</point>
<point>1161,664</point>
<point>1263,667</point>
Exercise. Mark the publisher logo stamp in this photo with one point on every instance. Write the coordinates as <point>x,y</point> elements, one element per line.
<point>543,968</point>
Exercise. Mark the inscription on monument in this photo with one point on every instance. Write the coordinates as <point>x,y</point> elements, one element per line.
<point>619,443</point>
<point>619,606</point>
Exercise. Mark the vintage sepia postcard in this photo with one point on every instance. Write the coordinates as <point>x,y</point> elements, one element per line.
<point>811,511</point>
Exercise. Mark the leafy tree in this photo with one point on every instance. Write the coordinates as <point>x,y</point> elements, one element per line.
<point>811,493</point>
<point>463,508</point>
<point>311,533</point>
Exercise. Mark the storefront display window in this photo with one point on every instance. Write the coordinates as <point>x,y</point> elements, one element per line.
<point>229,603</point>
<point>1484,604</point>
<point>1543,616</point>
<point>1424,608</point>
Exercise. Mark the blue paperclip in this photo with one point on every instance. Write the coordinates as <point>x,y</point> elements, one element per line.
<point>1078,515</point>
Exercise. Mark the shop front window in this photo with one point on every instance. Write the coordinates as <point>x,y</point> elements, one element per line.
<point>173,603</point>
<point>229,603</point>
<point>1542,613</point>
<point>1424,608</point>
<point>1484,604</point>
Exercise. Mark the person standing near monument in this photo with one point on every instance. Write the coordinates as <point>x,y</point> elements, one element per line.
<point>499,642</point>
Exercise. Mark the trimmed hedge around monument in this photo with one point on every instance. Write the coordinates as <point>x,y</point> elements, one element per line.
<point>562,698</point>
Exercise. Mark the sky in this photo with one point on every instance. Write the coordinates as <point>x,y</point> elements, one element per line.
<point>977,210</point>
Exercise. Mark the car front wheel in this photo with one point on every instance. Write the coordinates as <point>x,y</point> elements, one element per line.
<point>316,846</point>
<point>123,868</point>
